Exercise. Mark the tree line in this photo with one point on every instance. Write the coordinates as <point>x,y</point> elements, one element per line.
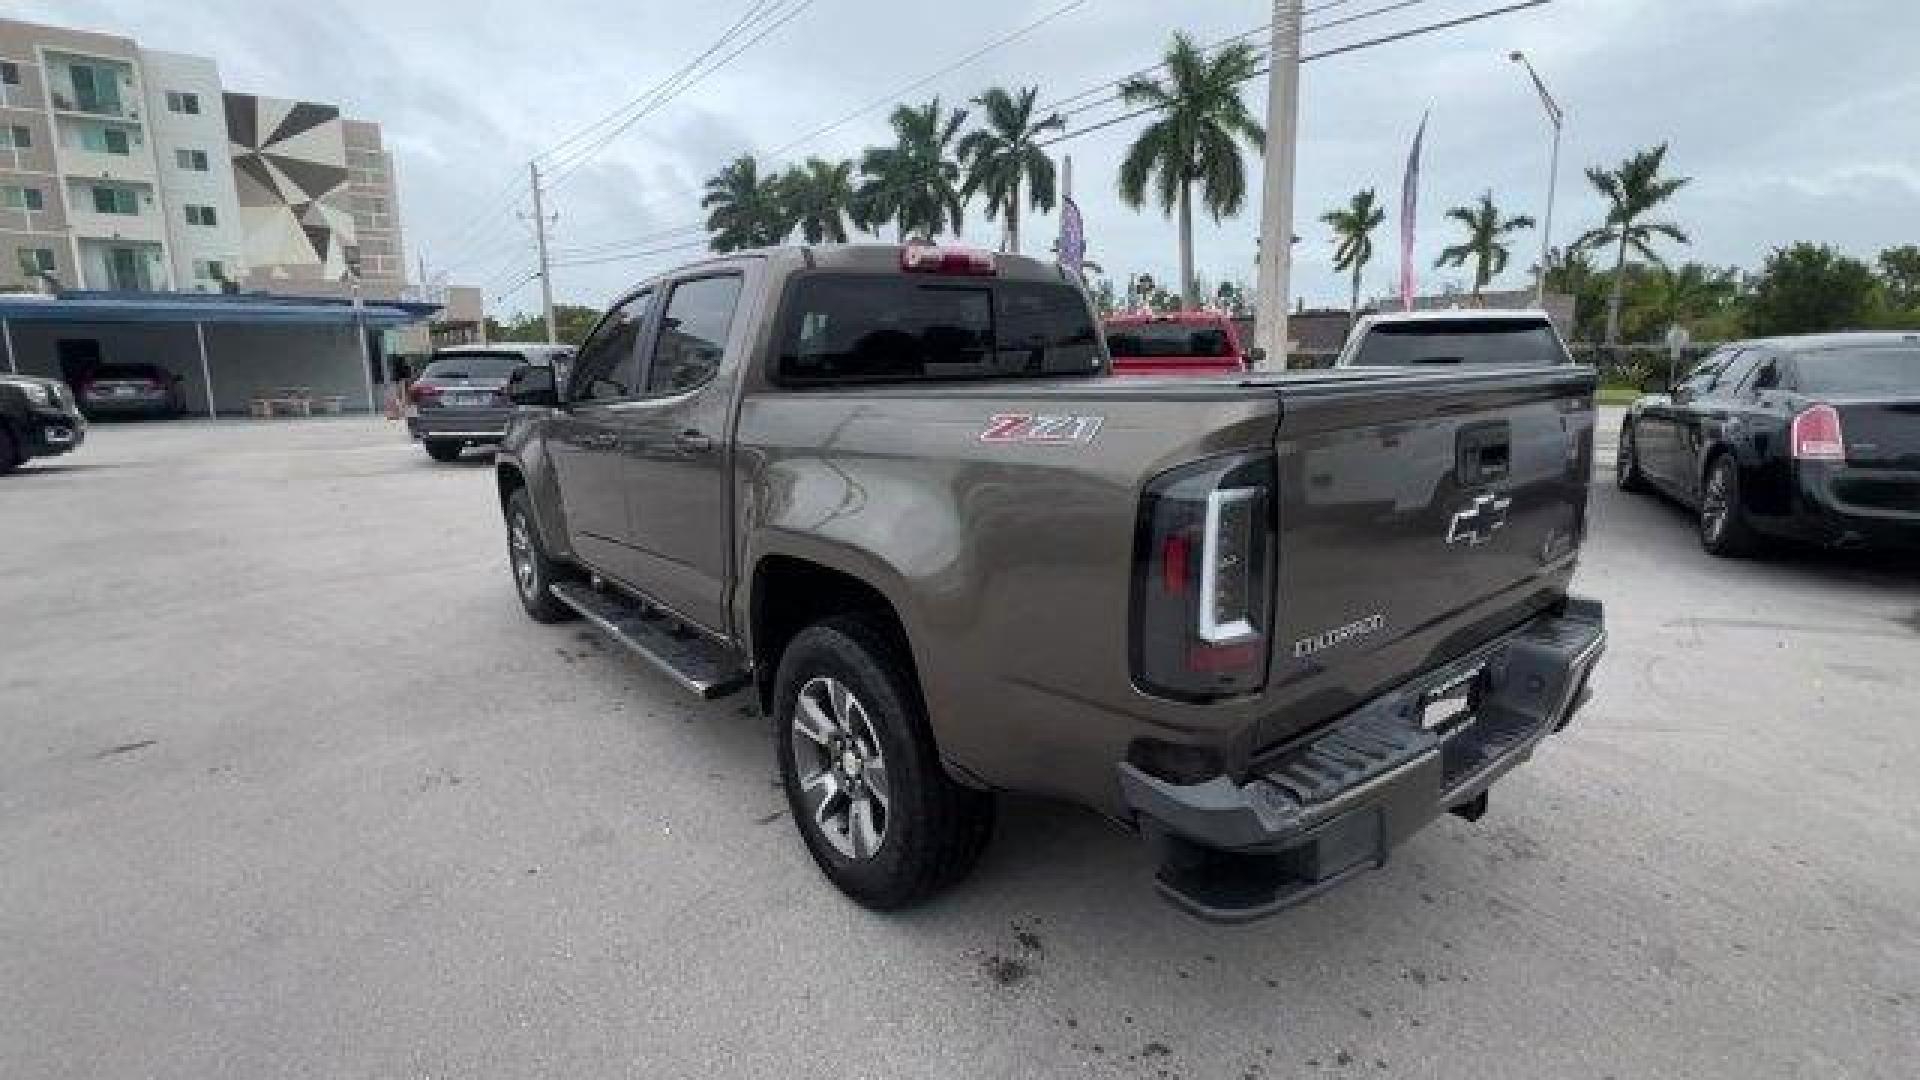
<point>940,159</point>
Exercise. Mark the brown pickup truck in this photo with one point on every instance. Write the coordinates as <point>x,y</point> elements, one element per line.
<point>1275,623</point>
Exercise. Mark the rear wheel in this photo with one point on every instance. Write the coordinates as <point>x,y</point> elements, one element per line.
<point>443,449</point>
<point>533,571</point>
<point>878,812</point>
<point>1723,520</point>
<point>10,457</point>
<point>1626,462</point>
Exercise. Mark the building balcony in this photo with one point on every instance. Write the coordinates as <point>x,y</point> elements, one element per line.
<point>106,110</point>
<point>135,167</point>
<point>146,227</point>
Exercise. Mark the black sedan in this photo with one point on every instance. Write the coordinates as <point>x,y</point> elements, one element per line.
<point>1814,439</point>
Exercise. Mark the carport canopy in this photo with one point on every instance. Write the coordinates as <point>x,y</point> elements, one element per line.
<point>199,310</point>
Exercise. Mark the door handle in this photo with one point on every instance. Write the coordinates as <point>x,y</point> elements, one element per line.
<point>693,441</point>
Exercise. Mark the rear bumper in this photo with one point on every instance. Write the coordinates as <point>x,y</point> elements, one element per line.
<point>129,406</point>
<point>1843,506</point>
<point>467,425</point>
<point>1333,804</point>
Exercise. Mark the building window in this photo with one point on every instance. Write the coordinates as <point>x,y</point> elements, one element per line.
<point>97,88</point>
<point>106,140</point>
<point>113,200</point>
<point>34,261</point>
<point>190,160</point>
<point>22,198</point>
<point>209,270</point>
<point>200,215</point>
<point>17,136</point>
<point>183,101</point>
<point>9,73</point>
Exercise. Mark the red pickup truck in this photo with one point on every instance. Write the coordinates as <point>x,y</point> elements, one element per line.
<point>1176,343</point>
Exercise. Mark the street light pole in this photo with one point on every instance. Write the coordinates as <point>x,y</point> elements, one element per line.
<point>1276,203</point>
<point>1558,119</point>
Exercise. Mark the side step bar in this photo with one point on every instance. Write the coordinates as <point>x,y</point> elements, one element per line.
<point>703,667</point>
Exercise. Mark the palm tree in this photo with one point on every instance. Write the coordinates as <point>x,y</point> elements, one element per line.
<point>1004,152</point>
<point>915,183</point>
<point>744,210</point>
<point>1633,190</point>
<point>1195,139</point>
<point>818,196</point>
<point>1668,297</point>
<point>1353,234</point>
<point>1485,228</point>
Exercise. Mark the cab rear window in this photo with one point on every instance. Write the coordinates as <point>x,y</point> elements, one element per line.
<point>1504,342</point>
<point>841,329</point>
<point>1132,341</point>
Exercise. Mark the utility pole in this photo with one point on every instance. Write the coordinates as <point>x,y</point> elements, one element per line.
<point>1276,202</point>
<point>1558,119</point>
<point>540,236</point>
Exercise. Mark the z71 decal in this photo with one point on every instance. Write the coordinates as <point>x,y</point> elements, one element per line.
<point>1045,430</point>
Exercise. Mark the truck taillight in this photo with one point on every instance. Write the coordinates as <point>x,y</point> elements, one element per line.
<point>1817,435</point>
<point>1203,578</point>
<point>929,259</point>
<point>423,391</point>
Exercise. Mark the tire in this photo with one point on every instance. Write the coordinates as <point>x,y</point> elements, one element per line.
<point>534,572</point>
<point>10,456</point>
<point>1626,462</point>
<point>443,449</point>
<point>863,739</point>
<point>1724,530</point>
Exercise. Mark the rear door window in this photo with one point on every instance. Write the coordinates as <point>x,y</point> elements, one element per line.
<point>693,334</point>
<point>843,328</point>
<point>1507,342</point>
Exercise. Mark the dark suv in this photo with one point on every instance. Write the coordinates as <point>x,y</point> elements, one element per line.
<point>460,400</point>
<point>38,418</point>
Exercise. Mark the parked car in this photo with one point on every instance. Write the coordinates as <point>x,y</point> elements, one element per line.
<point>886,489</point>
<point>38,418</point>
<point>1453,338</point>
<point>1815,439</point>
<point>460,399</point>
<point>132,390</point>
<point>1176,343</point>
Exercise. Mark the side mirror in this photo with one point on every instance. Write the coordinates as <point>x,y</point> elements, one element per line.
<point>533,386</point>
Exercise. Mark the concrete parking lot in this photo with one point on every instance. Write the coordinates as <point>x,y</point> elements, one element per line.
<point>289,787</point>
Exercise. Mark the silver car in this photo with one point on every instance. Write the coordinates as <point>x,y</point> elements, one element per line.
<point>460,400</point>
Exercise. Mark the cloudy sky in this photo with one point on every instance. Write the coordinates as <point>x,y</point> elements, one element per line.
<point>1798,120</point>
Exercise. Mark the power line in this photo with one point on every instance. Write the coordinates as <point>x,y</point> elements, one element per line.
<point>1256,31</point>
<point>917,84</point>
<point>475,230</point>
<point>1220,44</point>
<point>630,255</point>
<point>644,238</point>
<point>685,78</point>
<point>892,97</point>
<point>557,149</point>
<point>1354,47</point>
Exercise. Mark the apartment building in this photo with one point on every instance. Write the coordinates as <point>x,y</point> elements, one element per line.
<point>123,167</point>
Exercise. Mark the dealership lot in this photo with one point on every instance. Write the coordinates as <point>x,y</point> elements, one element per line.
<point>290,787</point>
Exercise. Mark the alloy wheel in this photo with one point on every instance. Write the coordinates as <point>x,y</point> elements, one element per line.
<point>520,548</point>
<point>841,769</point>
<point>1714,504</point>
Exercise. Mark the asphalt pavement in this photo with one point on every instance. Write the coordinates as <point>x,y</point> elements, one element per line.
<point>289,787</point>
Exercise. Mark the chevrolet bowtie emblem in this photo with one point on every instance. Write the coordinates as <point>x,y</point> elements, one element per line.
<point>1479,521</point>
